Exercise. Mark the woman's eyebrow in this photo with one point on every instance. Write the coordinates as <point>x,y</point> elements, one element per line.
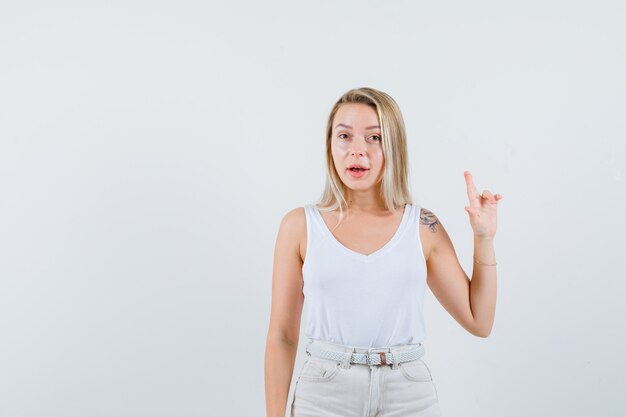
<point>350,127</point>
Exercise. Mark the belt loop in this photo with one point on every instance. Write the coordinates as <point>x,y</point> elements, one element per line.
<point>345,362</point>
<point>394,353</point>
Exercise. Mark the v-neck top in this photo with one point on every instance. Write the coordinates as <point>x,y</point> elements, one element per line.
<point>365,301</point>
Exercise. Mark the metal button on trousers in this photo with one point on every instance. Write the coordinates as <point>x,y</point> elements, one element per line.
<point>346,381</point>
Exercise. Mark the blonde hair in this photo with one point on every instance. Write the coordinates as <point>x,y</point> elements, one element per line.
<point>394,187</point>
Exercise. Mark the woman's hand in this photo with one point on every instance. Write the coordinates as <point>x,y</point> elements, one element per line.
<point>482,209</point>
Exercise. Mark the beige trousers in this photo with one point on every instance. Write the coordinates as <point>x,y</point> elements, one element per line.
<point>329,388</point>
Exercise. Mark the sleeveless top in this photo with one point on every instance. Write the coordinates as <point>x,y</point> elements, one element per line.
<point>366,301</point>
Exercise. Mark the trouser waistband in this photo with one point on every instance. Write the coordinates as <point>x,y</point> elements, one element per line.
<point>391,356</point>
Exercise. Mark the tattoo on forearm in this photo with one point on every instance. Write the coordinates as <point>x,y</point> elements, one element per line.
<point>428,218</point>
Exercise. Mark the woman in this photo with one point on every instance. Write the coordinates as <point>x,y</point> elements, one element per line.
<point>363,275</point>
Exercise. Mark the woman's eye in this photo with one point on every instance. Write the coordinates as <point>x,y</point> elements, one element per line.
<point>345,136</point>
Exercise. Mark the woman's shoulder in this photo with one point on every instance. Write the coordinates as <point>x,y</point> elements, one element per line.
<point>293,229</point>
<point>429,227</point>
<point>297,216</point>
<point>427,218</point>
<point>293,223</point>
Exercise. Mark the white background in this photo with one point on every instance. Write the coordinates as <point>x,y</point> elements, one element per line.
<point>148,151</point>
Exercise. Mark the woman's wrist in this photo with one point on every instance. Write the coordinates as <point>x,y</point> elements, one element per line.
<point>484,253</point>
<point>486,239</point>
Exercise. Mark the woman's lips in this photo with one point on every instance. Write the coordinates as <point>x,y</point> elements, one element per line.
<point>357,173</point>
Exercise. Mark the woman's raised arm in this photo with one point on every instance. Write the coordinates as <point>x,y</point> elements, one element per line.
<point>471,303</point>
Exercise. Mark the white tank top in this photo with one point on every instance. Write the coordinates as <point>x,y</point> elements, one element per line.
<point>366,301</point>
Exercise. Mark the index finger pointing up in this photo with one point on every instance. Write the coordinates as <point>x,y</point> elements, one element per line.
<point>472,191</point>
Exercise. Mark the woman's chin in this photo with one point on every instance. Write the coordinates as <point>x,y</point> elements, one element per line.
<point>358,185</point>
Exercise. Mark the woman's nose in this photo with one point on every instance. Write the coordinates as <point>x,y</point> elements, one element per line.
<point>358,148</point>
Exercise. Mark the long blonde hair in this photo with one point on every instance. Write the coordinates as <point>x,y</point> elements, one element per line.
<point>394,187</point>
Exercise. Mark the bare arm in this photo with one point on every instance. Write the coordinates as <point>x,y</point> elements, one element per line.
<point>286,311</point>
<point>483,288</point>
<point>471,303</point>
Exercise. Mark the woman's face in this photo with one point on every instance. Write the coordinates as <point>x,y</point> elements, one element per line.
<point>356,139</point>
